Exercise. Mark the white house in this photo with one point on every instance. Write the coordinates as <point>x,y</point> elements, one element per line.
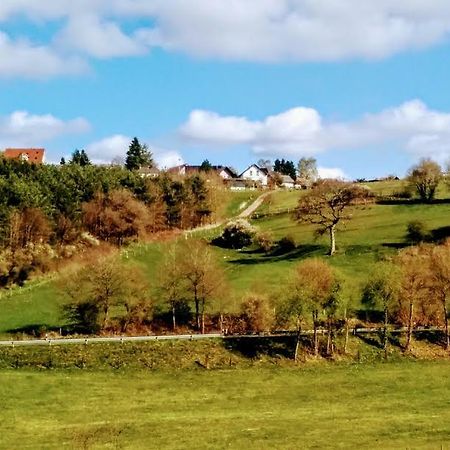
<point>287,182</point>
<point>257,174</point>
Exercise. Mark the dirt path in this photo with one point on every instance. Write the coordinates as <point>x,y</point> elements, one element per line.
<point>253,207</point>
<point>243,215</point>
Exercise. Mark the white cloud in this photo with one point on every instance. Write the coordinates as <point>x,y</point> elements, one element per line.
<point>115,147</point>
<point>99,38</point>
<point>107,149</point>
<point>24,129</point>
<point>332,172</point>
<point>24,59</point>
<point>237,30</point>
<point>411,126</point>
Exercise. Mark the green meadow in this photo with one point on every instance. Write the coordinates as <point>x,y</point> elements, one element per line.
<point>385,406</point>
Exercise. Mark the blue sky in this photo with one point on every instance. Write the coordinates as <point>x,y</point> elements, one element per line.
<point>364,89</point>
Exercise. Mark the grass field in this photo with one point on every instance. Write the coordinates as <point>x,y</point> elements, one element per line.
<point>386,406</point>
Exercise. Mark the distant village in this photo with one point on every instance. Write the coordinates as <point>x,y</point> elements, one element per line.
<point>253,177</point>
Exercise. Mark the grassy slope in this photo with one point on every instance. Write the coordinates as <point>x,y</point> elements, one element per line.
<point>395,405</point>
<point>374,231</point>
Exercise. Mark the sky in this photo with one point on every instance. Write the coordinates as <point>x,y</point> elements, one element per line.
<point>361,85</point>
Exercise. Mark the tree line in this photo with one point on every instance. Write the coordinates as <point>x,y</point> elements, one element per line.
<point>54,211</point>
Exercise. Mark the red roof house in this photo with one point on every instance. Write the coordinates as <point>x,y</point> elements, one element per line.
<point>31,155</point>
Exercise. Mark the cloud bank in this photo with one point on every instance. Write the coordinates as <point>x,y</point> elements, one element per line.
<point>411,126</point>
<point>21,128</point>
<point>114,147</point>
<point>231,30</point>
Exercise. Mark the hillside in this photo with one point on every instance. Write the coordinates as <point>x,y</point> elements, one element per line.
<point>374,231</point>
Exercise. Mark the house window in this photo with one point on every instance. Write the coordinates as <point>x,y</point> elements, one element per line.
<point>251,173</point>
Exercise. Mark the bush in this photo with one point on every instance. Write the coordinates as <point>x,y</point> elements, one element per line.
<point>236,235</point>
<point>257,313</point>
<point>416,232</point>
<point>286,244</point>
<point>265,241</point>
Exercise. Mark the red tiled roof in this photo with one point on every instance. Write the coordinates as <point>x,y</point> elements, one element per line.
<point>32,155</point>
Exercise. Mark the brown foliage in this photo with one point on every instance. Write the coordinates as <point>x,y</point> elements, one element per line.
<point>116,217</point>
<point>28,226</point>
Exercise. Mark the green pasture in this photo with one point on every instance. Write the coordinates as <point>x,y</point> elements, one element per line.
<point>385,406</point>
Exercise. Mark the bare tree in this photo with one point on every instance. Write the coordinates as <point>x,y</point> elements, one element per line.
<point>258,312</point>
<point>328,205</point>
<point>313,289</point>
<point>425,178</point>
<point>99,287</point>
<point>413,286</point>
<point>171,281</point>
<point>439,278</point>
<point>382,291</point>
<point>203,277</point>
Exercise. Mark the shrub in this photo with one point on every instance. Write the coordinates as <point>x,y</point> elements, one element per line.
<point>265,241</point>
<point>286,244</point>
<point>237,234</point>
<point>416,232</point>
<point>257,313</point>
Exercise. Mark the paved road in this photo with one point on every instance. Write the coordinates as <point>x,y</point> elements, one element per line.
<point>190,337</point>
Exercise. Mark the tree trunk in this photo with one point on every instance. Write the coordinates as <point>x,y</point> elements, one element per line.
<point>447,336</point>
<point>197,310</point>
<point>297,340</point>
<point>385,336</point>
<point>329,338</point>
<point>410,326</point>
<point>203,316</point>
<point>346,333</point>
<point>332,240</point>
<point>174,321</point>
<point>316,340</point>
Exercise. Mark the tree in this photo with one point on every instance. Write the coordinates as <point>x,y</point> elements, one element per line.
<point>80,158</point>
<point>99,287</point>
<point>205,166</point>
<point>307,171</point>
<point>285,167</point>
<point>425,178</point>
<point>382,291</point>
<point>138,156</point>
<point>116,217</point>
<point>171,282</point>
<point>203,277</point>
<point>257,313</point>
<point>329,204</point>
<point>313,288</point>
<point>413,286</point>
<point>439,281</point>
<point>62,162</point>
<point>28,226</point>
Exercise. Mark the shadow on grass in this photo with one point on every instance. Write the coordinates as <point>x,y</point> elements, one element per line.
<point>38,329</point>
<point>253,347</point>
<point>372,341</point>
<point>415,201</point>
<point>300,252</point>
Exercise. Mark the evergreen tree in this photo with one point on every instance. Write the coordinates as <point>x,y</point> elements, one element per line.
<point>63,161</point>
<point>285,167</point>
<point>205,166</point>
<point>138,156</point>
<point>80,158</point>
